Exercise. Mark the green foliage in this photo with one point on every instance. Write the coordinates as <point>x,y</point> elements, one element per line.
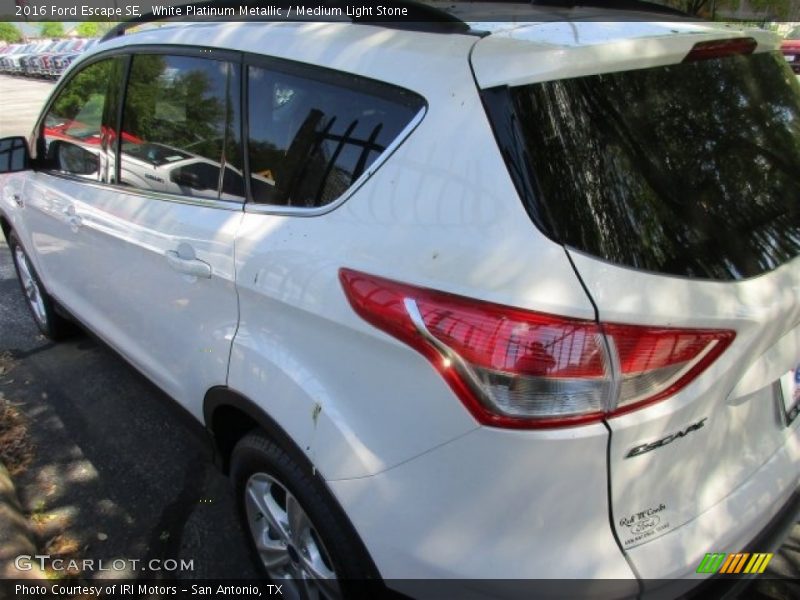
<point>705,8</point>
<point>88,29</point>
<point>774,8</point>
<point>9,32</point>
<point>183,110</point>
<point>51,29</point>
<point>82,92</point>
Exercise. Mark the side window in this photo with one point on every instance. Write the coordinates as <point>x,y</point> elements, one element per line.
<point>181,127</point>
<point>79,130</point>
<point>312,133</point>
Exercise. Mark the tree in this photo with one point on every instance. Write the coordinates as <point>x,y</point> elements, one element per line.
<point>9,33</point>
<point>710,8</point>
<point>695,7</point>
<point>774,8</point>
<point>51,29</point>
<point>704,8</point>
<point>88,29</point>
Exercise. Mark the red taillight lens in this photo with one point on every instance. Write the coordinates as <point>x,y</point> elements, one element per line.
<point>523,369</point>
<point>720,49</point>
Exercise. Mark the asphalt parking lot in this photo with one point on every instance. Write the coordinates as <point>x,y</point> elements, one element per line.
<point>113,472</point>
<point>21,102</point>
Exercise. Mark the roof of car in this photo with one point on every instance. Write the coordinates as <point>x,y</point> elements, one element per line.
<point>502,54</point>
<point>439,16</point>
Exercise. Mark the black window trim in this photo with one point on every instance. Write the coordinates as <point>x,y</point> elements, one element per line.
<point>325,74</point>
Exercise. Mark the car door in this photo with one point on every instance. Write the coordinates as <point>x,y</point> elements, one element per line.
<point>73,141</point>
<point>156,269</point>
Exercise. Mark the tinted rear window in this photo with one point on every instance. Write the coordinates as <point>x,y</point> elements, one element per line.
<point>690,169</point>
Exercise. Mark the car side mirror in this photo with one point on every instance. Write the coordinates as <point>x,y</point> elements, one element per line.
<point>72,158</point>
<point>14,155</point>
<point>185,178</point>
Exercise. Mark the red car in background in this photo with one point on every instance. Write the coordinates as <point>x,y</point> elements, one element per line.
<point>791,49</point>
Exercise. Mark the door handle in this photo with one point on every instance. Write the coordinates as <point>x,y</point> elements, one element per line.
<point>73,219</point>
<point>17,200</point>
<point>75,223</point>
<point>188,266</point>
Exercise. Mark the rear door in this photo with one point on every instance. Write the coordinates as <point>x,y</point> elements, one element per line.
<point>673,184</point>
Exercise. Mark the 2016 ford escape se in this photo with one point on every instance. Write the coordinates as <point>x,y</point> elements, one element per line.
<point>453,304</point>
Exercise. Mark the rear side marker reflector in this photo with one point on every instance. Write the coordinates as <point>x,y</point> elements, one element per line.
<point>521,369</point>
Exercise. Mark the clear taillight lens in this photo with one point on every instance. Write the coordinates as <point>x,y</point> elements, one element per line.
<point>523,369</point>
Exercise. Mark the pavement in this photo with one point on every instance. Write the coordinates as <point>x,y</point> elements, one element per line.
<point>117,471</point>
<point>21,102</point>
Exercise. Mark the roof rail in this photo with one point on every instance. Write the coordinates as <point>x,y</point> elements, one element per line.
<point>630,5</point>
<point>419,17</point>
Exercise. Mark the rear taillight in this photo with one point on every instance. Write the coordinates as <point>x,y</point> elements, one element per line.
<point>522,369</point>
<point>721,48</point>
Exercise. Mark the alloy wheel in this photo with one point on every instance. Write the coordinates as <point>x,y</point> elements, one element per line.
<point>31,286</point>
<point>287,540</point>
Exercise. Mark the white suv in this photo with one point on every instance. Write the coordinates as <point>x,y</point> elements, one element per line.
<point>493,302</point>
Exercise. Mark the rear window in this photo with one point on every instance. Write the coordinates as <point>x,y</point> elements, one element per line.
<point>690,169</point>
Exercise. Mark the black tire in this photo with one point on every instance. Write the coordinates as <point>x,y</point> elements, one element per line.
<point>52,324</point>
<point>258,455</point>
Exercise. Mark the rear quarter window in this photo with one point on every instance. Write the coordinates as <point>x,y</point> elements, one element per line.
<point>314,132</point>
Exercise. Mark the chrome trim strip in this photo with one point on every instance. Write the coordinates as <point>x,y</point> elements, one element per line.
<point>452,358</point>
<point>299,211</point>
<point>150,194</point>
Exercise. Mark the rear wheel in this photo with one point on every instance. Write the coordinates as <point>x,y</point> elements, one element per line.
<point>41,305</point>
<point>296,531</point>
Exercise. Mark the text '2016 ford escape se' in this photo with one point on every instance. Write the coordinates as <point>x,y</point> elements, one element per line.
<point>454,300</point>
